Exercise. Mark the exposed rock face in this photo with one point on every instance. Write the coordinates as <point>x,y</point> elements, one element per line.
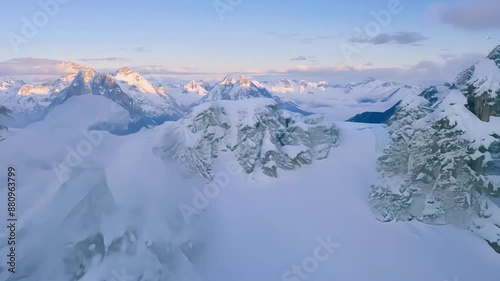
<point>258,135</point>
<point>480,107</point>
<point>145,108</point>
<point>480,84</point>
<point>443,164</point>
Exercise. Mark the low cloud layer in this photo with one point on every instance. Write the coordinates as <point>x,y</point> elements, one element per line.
<point>161,70</point>
<point>104,59</point>
<point>304,58</point>
<point>470,14</point>
<point>34,66</point>
<point>137,49</point>
<point>424,72</point>
<point>300,39</point>
<point>401,38</point>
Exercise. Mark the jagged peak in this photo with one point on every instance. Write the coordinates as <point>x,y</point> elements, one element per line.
<point>244,81</point>
<point>7,80</point>
<point>494,55</point>
<point>238,80</point>
<point>191,84</point>
<point>85,75</point>
<point>76,67</point>
<point>125,71</point>
<point>228,80</point>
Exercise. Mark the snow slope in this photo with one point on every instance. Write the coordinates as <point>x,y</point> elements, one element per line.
<point>79,218</point>
<point>189,93</point>
<point>267,227</point>
<point>116,214</point>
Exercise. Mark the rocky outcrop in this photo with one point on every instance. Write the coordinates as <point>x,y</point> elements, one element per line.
<point>254,132</point>
<point>480,107</point>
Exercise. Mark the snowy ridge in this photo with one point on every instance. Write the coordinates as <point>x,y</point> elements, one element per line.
<point>148,104</point>
<point>135,81</point>
<point>295,86</point>
<point>440,165</point>
<point>233,87</point>
<point>200,88</point>
<point>486,78</point>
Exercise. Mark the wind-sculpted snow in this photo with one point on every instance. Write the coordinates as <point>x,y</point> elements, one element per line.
<point>79,218</point>
<point>114,214</point>
<point>261,137</point>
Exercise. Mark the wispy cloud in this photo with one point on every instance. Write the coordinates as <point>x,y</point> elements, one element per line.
<point>299,58</point>
<point>426,72</point>
<point>110,59</point>
<point>142,50</point>
<point>283,36</point>
<point>311,40</point>
<point>469,14</point>
<point>161,70</point>
<point>401,38</point>
<point>137,49</point>
<point>304,58</point>
<point>36,66</point>
<point>300,39</point>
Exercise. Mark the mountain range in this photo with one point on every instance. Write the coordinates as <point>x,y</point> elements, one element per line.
<point>157,179</point>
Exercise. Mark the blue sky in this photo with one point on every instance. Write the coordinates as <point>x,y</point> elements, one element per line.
<point>257,36</point>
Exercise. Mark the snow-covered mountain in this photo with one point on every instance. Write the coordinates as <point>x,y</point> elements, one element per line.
<point>260,179</point>
<point>481,85</point>
<point>343,101</point>
<point>234,87</point>
<point>115,211</point>
<point>147,104</point>
<point>200,87</point>
<point>441,166</point>
<point>262,138</point>
<point>86,212</point>
<point>188,93</point>
<point>168,102</point>
<point>367,87</point>
<point>27,102</point>
<point>295,86</point>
